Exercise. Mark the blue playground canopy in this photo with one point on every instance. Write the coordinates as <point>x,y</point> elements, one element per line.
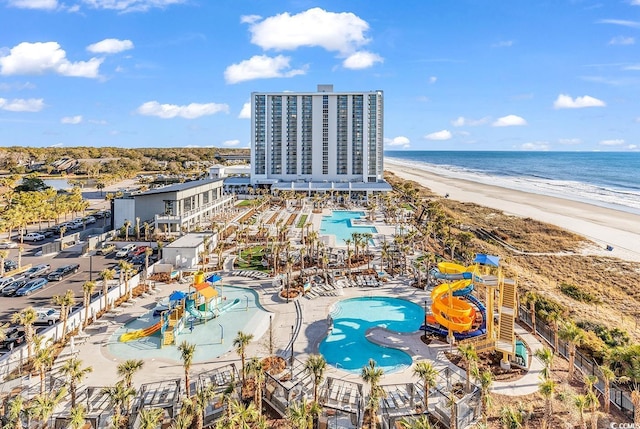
<point>214,278</point>
<point>177,295</point>
<point>491,260</point>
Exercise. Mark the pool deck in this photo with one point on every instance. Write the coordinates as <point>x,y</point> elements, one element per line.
<point>306,318</point>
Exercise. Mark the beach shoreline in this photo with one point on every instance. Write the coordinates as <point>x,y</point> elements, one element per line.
<point>603,226</point>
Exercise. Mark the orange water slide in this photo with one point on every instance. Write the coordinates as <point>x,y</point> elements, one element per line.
<point>134,335</point>
<point>451,312</point>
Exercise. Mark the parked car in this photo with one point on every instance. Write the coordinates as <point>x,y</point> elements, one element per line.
<point>7,244</point>
<point>11,288</point>
<point>89,220</point>
<point>33,236</point>
<point>32,286</point>
<point>46,316</point>
<point>142,259</point>
<point>4,281</point>
<point>49,232</point>
<point>124,251</point>
<point>10,265</point>
<point>37,271</point>
<point>106,248</point>
<point>63,272</point>
<point>79,223</point>
<point>14,337</point>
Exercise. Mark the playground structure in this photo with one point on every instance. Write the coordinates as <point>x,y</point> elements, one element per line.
<point>459,315</point>
<point>201,303</point>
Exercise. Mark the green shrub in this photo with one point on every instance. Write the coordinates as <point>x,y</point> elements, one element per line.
<point>546,306</point>
<point>302,221</point>
<point>615,337</point>
<point>573,291</point>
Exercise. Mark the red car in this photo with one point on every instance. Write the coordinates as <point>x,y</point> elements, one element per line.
<point>138,251</point>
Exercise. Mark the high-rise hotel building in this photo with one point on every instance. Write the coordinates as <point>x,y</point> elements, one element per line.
<point>318,141</point>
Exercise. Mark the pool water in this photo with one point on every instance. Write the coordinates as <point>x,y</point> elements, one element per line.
<point>346,346</point>
<point>339,224</point>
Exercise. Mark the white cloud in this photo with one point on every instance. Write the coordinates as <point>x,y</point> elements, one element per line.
<point>638,118</point>
<point>635,2</point>
<point>336,32</point>
<point>622,40</point>
<point>110,46</point>
<point>622,22</point>
<point>612,142</point>
<point>566,102</point>
<point>503,44</point>
<point>540,146</point>
<point>250,19</point>
<point>22,105</point>
<point>131,5</point>
<point>260,67</point>
<point>570,141</point>
<point>632,147</point>
<point>461,121</point>
<point>231,143</point>
<point>190,111</point>
<point>16,86</point>
<point>433,79</point>
<point>43,57</point>
<point>245,113</point>
<point>34,4</point>
<point>98,121</point>
<point>361,60</point>
<point>509,121</point>
<point>72,120</point>
<point>632,67</point>
<point>398,141</point>
<point>439,135</point>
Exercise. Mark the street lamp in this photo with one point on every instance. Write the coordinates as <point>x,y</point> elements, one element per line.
<point>425,319</point>
<point>291,359</point>
<point>221,333</point>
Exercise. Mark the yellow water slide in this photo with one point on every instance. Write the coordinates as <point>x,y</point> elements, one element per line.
<point>451,312</point>
<point>134,335</point>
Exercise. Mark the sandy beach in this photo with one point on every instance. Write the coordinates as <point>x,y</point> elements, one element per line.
<point>604,226</point>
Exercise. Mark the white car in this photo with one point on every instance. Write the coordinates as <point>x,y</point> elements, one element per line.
<point>123,252</point>
<point>46,316</point>
<point>33,236</point>
<point>8,244</point>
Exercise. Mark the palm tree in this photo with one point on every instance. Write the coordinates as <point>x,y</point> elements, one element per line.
<point>43,405</point>
<point>87,290</point>
<point>106,275</point>
<point>428,374</point>
<point>125,269</point>
<point>421,422</point>
<point>13,413</point>
<point>255,367</point>
<point>632,374</point>
<point>607,376</point>
<point>372,374</point>
<point>187,351</point>
<point>298,414</point>
<point>118,395</point>
<point>74,373</point>
<point>453,410</point>
<point>243,416</point>
<point>199,403</point>
<point>592,399</point>
<point>43,358</point>
<point>240,343</point>
<point>127,369</point>
<point>547,390</point>
<point>510,418</point>
<point>546,357</point>
<point>3,256</point>
<point>77,416</point>
<point>485,380</point>
<point>580,402</point>
<point>126,225</point>
<point>26,318</point>
<point>574,336</point>
<point>227,397</point>
<point>531,298</point>
<point>554,318</point>
<point>65,302</point>
<point>470,357</point>
<point>150,418</point>
<point>316,366</point>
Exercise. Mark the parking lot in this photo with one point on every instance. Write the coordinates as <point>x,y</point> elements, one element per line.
<point>90,267</point>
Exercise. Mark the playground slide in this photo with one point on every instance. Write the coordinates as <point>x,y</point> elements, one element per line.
<point>134,335</point>
<point>208,314</point>
<point>451,271</point>
<point>451,312</point>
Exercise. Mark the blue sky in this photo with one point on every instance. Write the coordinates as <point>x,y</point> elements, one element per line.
<point>457,75</point>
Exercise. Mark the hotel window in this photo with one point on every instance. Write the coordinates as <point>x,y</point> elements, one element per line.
<point>325,134</point>
<point>357,129</point>
<point>307,134</point>
<point>292,134</point>
<point>260,134</point>
<point>372,141</point>
<point>342,144</point>
<point>205,197</point>
<point>276,134</point>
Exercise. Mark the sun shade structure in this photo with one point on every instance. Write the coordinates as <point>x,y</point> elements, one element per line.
<point>177,295</point>
<point>491,260</point>
<point>205,289</point>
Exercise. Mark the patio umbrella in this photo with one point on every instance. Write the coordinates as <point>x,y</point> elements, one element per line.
<point>177,295</point>
<point>214,278</point>
<point>490,260</point>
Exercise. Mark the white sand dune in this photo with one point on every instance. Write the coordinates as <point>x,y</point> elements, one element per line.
<point>604,226</point>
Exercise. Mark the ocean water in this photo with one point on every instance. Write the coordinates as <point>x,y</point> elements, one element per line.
<point>607,179</point>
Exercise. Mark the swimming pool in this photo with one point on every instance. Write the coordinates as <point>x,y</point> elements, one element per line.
<point>339,224</point>
<point>213,338</point>
<point>346,346</point>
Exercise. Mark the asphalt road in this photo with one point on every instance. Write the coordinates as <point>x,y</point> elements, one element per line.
<point>90,267</point>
